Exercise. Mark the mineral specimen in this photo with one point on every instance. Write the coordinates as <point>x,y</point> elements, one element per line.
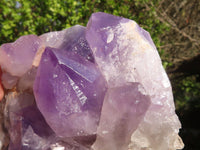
<point>100,87</point>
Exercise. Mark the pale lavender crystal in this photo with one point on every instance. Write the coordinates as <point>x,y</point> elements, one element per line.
<point>123,109</point>
<point>69,92</point>
<point>17,57</point>
<point>125,53</point>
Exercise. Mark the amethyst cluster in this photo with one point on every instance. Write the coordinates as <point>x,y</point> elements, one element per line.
<point>100,87</point>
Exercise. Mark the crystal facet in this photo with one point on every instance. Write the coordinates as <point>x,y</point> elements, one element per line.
<point>72,39</point>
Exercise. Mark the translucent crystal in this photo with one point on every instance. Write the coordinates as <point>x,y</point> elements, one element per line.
<point>69,92</point>
<point>17,57</point>
<point>125,53</point>
<point>123,109</point>
<point>24,117</point>
<point>72,39</point>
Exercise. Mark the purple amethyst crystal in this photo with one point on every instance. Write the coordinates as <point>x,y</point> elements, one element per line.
<point>24,117</point>
<point>69,92</point>
<point>28,129</point>
<point>100,87</point>
<point>72,39</point>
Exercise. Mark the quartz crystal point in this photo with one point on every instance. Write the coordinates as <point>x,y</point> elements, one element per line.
<point>69,92</point>
<point>124,52</point>
<point>72,39</point>
<point>126,106</point>
<point>17,57</point>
